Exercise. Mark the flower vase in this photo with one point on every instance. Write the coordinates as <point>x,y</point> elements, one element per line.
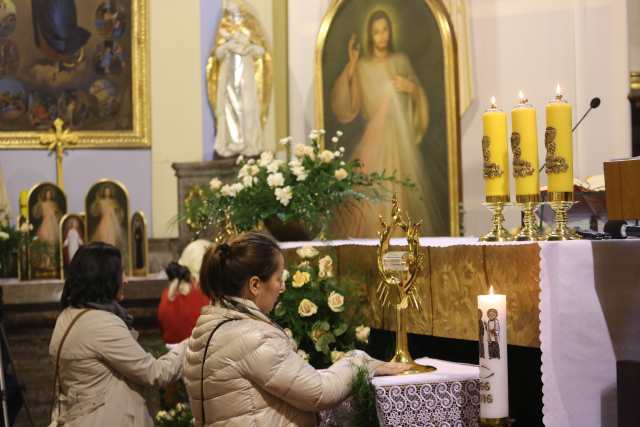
<point>291,231</point>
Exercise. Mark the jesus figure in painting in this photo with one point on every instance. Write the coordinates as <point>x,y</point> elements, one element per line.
<point>383,88</point>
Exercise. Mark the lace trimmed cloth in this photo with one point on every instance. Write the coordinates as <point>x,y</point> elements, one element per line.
<point>448,397</point>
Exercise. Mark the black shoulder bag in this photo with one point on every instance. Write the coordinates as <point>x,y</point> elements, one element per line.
<point>204,359</point>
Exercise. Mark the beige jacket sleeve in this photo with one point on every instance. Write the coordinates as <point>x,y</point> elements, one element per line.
<point>275,367</point>
<point>123,353</point>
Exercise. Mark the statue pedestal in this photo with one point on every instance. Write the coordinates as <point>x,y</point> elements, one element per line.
<point>192,174</point>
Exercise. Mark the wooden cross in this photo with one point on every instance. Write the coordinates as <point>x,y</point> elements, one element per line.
<point>57,142</point>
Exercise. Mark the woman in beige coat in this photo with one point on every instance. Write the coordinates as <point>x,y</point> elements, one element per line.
<point>100,366</point>
<point>252,375</point>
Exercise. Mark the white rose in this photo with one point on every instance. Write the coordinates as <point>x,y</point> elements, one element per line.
<point>265,158</point>
<point>340,174</point>
<point>339,133</point>
<point>294,163</point>
<point>304,264</point>
<point>303,354</point>
<point>288,332</point>
<point>336,355</point>
<point>335,139</point>
<point>285,275</point>
<point>341,149</point>
<point>307,251</point>
<point>275,180</point>
<point>237,187</point>
<point>4,235</point>
<point>313,134</point>
<point>300,172</point>
<point>299,150</point>
<point>335,302</point>
<point>215,184</point>
<point>325,267</point>
<point>240,159</point>
<point>343,164</point>
<point>337,153</point>
<point>251,161</point>
<point>254,170</point>
<point>307,308</point>
<point>285,141</point>
<point>226,190</point>
<point>244,171</point>
<point>284,195</point>
<point>308,151</point>
<point>274,166</point>
<point>362,333</point>
<point>326,156</point>
<point>248,181</point>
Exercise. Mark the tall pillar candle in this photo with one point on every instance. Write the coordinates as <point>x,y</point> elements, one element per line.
<point>24,196</point>
<point>524,147</point>
<point>558,141</point>
<point>495,154</point>
<point>494,376</point>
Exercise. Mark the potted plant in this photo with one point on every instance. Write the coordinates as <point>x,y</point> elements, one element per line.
<point>294,199</point>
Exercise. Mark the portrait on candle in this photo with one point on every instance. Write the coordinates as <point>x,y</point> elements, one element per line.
<point>47,204</point>
<point>139,248</point>
<point>72,236</point>
<point>493,333</point>
<point>388,89</point>
<point>107,210</point>
<point>67,59</point>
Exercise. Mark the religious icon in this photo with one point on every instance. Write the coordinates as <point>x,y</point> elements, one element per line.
<point>7,17</point>
<point>107,212</point>
<point>481,334</point>
<point>239,77</point>
<point>47,204</point>
<point>84,61</point>
<point>72,236</point>
<point>493,333</point>
<point>139,248</point>
<point>387,88</point>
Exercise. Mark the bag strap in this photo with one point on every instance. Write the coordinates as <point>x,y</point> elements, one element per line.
<point>56,378</point>
<point>204,359</point>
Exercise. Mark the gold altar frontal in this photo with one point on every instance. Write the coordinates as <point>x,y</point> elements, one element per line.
<point>451,280</point>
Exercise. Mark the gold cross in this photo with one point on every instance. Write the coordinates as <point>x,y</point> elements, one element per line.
<point>58,142</point>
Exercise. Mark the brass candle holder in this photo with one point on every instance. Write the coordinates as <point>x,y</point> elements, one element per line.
<point>561,202</point>
<point>492,422</point>
<point>398,272</point>
<point>529,231</point>
<point>498,233</point>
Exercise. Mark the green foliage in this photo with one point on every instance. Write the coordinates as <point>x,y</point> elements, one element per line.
<point>364,396</point>
<point>306,189</point>
<point>10,239</point>
<point>180,416</point>
<point>325,327</point>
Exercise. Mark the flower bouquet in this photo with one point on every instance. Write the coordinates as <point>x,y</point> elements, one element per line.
<point>180,416</point>
<point>301,192</point>
<point>323,317</point>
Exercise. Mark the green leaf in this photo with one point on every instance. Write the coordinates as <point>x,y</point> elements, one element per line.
<point>323,343</point>
<point>341,329</point>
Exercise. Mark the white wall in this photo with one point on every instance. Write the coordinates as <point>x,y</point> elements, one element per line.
<point>516,44</point>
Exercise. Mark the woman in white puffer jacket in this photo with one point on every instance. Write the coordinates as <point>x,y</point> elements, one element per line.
<point>252,375</point>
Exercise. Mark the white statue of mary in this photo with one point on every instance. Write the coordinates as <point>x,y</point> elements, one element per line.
<point>238,101</point>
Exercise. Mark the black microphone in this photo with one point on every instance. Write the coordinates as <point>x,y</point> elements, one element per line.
<point>595,103</point>
<point>621,230</point>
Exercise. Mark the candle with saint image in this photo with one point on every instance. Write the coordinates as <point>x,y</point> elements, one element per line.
<point>559,145</point>
<point>494,152</point>
<point>524,147</point>
<point>494,376</point>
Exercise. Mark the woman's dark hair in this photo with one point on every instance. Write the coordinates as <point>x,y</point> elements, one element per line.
<point>178,271</point>
<point>227,267</point>
<point>378,14</point>
<point>94,275</point>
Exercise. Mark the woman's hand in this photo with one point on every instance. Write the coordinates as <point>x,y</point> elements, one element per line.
<point>402,84</point>
<point>391,368</point>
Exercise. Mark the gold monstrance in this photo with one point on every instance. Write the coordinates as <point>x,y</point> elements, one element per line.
<point>398,272</point>
<point>58,142</point>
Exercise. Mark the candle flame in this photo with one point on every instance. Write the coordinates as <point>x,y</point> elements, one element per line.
<point>493,101</point>
<point>521,96</point>
<point>491,290</point>
<point>558,90</point>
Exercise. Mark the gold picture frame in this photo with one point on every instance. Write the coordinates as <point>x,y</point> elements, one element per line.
<point>449,88</point>
<point>138,130</point>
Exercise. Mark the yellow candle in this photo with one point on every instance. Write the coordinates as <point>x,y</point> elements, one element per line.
<point>494,153</point>
<point>524,146</point>
<point>558,141</point>
<point>24,200</point>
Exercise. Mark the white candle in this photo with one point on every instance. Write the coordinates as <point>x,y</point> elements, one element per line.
<point>494,377</point>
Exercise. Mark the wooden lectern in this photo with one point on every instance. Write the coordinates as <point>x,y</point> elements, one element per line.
<point>622,181</point>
